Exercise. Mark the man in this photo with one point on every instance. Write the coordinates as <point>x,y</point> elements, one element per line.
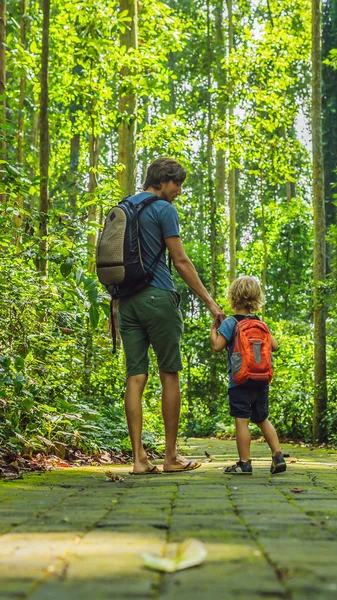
<point>152,316</point>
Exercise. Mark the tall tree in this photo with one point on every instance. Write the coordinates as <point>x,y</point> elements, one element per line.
<point>329,106</point>
<point>44,142</point>
<point>21,119</point>
<point>231,176</point>
<point>210,147</point>
<point>221,105</point>
<point>2,95</point>
<point>320,394</point>
<point>75,107</point>
<point>128,104</point>
<point>92,212</point>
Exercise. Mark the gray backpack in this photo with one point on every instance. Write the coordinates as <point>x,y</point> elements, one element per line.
<point>119,263</point>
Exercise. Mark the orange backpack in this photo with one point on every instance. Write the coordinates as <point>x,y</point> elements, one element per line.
<point>251,358</point>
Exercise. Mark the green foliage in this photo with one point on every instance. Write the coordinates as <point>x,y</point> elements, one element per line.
<point>60,384</point>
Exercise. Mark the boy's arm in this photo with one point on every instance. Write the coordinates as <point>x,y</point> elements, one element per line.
<point>274,344</point>
<point>218,341</point>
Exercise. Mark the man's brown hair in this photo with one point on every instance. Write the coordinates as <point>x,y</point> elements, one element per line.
<point>162,170</point>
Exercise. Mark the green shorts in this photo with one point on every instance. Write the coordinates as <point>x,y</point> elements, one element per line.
<point>151,317</point>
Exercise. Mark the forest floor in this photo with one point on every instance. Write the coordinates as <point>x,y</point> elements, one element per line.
<point>70,534</point>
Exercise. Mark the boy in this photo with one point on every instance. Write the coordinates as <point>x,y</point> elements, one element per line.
<point>248,401</point>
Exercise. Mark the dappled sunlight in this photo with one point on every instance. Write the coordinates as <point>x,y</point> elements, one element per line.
<point>125,558</point>
<point>99,554</point>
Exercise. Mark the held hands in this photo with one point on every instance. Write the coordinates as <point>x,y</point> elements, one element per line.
<point>215,325</point>
<point>217,313</point>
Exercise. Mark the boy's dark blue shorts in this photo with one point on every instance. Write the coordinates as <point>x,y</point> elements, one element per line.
<point>249,402</point>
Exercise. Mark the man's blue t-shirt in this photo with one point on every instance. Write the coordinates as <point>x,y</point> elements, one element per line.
<point>157,221</point>
<point>227,330</point>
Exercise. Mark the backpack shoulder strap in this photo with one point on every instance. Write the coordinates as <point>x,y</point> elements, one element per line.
<point>252,317</point>
<point>125,198</point>
<point>144,203</point>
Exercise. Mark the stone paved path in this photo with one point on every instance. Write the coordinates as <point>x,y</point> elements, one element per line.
<point>68,534</point>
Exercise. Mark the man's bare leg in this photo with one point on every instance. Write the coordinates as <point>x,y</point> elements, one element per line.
<point>171,412</point>
<point>133,407</point>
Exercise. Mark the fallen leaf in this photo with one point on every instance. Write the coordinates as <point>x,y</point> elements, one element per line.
<point>10,476</point>
<point>61,463</point>
<point>113,477</point>
<point>287,573</point>
<point>297,490</point>
<point>67,330</point>
<point>187,554</point>
<point>209,456</point>
<point>293,460</point>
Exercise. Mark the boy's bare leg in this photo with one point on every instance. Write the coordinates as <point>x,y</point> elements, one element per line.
<point>171,412</point>
<point>243,438</point>
<point>270,436</point>
<point>133,407</point>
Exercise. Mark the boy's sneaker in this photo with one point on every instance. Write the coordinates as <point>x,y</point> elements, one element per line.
<point>240,468</point>
<point>278,464</point>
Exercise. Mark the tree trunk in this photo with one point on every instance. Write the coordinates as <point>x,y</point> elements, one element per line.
<point>73,174</point>
<point>329,122</point>
<point>231,176</point>
<point>128,107</point>
<point>145,150</point>
<point>220,160</point>
<point>92,212</point>
<point>189,397</point>
<point>264,245</point>
<point>290,190</point>
<point>33,140</point>
<point>320,395</point>
<point>42,262</point>
<point>289,185</point>
<point>75,107</point>
<point>21,123</point>
<point>200,182</point>
<point>2,94</point>
<point>87,360</point>
<point>212,204</point>
<point>210,156</point>
<point>173,104</point>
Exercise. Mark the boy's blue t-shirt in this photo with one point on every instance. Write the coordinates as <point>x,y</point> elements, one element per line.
<point>227,330</point>
<point>157,221</point>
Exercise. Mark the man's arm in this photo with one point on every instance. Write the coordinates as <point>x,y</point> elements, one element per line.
<point>189,274</point>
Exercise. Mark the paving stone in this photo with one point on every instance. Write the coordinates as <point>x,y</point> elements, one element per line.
<point>70,534</point>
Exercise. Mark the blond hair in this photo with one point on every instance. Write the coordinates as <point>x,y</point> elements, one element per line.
<point>245,292</point>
